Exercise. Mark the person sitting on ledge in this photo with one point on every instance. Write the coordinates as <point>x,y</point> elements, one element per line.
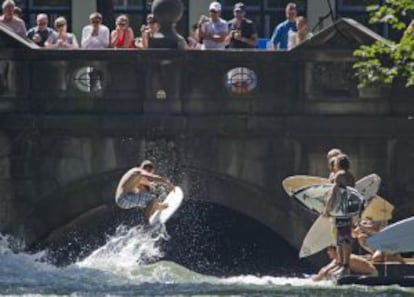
<point>357,265</point>
<point>365,229</point>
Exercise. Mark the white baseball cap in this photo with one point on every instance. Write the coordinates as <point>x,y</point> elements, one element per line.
<point>216,6</point>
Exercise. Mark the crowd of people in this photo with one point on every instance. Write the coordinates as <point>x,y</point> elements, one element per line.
<point>210,32</point>
<point>213,32</point>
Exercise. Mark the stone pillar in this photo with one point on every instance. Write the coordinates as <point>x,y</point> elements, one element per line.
<point>167,13</point>
<point>81,10</point>
<point>316,11</point>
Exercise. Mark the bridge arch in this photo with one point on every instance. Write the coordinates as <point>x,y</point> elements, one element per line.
<point>91,199</point>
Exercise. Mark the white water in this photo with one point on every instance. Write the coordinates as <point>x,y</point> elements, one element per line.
<point>119,269</point>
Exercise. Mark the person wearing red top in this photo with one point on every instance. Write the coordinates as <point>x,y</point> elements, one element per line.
<point>122,36</point>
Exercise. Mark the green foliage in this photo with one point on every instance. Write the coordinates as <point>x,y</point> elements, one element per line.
<point>385,61</point>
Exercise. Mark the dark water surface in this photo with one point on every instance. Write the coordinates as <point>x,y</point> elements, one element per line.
<point>206,251</point>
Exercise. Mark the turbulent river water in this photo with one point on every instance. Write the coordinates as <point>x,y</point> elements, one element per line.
<point>120,268</point>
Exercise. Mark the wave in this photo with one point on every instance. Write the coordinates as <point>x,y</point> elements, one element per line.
<point>130,264</point>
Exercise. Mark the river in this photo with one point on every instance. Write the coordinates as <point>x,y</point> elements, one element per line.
<point>120,268</point>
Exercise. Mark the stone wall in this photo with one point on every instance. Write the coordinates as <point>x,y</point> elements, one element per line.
<point>7,212</point>
<point>63,177</point>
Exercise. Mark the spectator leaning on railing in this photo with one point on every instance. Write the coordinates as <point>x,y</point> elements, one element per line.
<point>95,35</point>
<point>301,35</point>
<point>280,35</point>
<point>243,32</point>
<point>147,31</point>
<point>9,19</point>
<point>61,38</point>
<point>213,30</point>
<point>122,36</point>
<point>41,32</point>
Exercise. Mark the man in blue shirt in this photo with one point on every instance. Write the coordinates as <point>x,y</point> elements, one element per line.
<point>280,35</point>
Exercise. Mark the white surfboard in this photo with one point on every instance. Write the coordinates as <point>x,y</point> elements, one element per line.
<point>396,238</point>
<point>320,234</point>
<point>318,237</point>
<point>313,197</point>
<point>174,200</point>
<point>368,186</point>
<point>295,183</point>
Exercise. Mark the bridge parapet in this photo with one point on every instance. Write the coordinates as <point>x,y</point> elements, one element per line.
<point>314,78</point>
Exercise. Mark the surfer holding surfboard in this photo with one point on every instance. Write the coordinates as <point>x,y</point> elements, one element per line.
<point>342,179</point>
<point>136,189</point>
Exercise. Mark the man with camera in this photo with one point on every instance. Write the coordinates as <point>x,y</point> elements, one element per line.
<point>147,31</point>
<point>41,32</point>
<point>243,32</point>
<point>213,30</point>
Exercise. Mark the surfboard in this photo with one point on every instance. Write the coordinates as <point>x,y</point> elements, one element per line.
<point>320,234</point>
<point>395,238</point>
<point>368,186</point>
<point>318,237</point>
<point>378,209</point>
<point>173,200</point>
<point>293,184</point>
<point>313,197</point>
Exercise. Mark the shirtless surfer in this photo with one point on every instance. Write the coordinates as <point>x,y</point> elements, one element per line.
<point>357,265</point>
<point>136,187</point>
<point>365,229</point>
<point>342,225</point>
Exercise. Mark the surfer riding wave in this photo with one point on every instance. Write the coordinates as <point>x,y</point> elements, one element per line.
<point>136,189</point>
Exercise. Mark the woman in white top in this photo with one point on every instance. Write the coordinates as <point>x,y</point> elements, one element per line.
<point>61,38</point>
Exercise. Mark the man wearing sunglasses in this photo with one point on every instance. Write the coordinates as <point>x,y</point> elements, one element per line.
<point>41,32</point>
<point>136,189</point>
<point>243,32</point>
<point>95,35</point>
<point>213,30</point>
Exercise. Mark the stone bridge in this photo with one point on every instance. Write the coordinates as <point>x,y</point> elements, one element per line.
<point>228,126</point>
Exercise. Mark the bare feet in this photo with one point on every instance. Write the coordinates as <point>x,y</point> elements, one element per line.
<point>152,207</point>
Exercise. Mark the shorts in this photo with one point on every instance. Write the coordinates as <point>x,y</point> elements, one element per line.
<point>132,200</point>
<point>343,231</point>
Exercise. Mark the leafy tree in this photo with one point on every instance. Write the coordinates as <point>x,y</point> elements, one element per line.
<point>386,61</point>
